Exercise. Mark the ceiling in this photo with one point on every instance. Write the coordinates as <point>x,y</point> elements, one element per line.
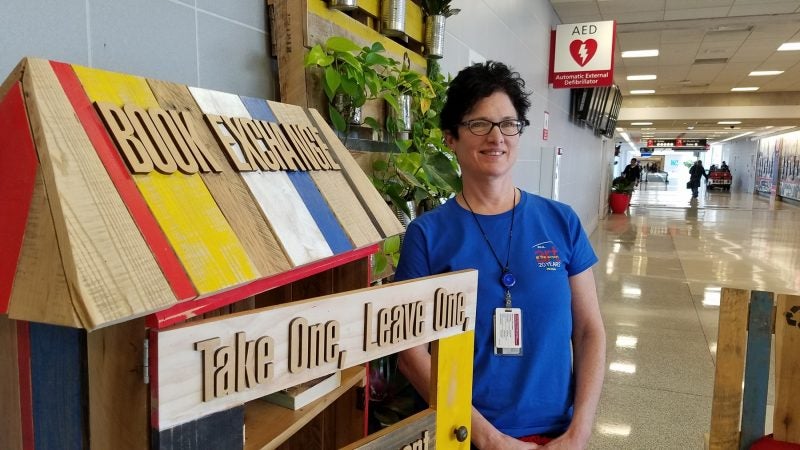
<point>706,48</point>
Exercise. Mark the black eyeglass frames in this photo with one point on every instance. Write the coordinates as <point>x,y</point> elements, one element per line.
<point>482,127</point>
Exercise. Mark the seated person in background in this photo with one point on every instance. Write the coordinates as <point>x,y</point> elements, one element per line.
<point>724,167</point>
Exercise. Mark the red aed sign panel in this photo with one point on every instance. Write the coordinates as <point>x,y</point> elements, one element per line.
<point>583,55</point>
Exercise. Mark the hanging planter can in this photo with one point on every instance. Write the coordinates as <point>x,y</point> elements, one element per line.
<point>404,114</point>
<point>343,5</point>
<point>343,104</point>
<point>393,17</point>
<point>434,36</point>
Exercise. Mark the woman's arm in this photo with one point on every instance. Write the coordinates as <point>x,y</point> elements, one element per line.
<point>589,350</point>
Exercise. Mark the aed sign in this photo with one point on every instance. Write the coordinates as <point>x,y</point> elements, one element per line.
<point>582,55</point>
<point>212,366</point>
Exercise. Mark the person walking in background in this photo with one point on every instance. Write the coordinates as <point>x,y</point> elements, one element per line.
<point>542,389</point>
<point>633,171</point>
<point>696,172</point>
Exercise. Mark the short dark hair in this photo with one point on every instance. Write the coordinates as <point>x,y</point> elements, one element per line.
<point>477,82</point>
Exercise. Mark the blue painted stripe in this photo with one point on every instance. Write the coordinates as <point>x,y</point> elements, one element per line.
<point>58,382</point>
<point>320,210</point>
<point>756,369</point>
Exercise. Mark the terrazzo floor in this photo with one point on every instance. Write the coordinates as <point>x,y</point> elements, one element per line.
<point>662,266</point>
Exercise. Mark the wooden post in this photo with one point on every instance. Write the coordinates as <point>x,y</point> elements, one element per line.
<point>786,422</point>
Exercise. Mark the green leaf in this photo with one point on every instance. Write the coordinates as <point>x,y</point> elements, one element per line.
<point>379,260</point>
<point>350,60</point>
<point>317,56</point>
<point>341,44</point>
<point>336,118</point>
<point>403,144</point>
<point>391,244</point>
<point>378,47</point>
<point>372,59</point>
<point>380,165</point>
<point>372,123</point>
<point>392,101</point>
<point>332,79</point>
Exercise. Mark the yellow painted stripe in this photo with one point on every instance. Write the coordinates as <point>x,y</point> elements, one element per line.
<point>342,20</point>
<point>453,403</point>
<point>195,227</point>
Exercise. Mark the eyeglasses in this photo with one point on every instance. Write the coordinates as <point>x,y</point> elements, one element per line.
<point>482,127</point>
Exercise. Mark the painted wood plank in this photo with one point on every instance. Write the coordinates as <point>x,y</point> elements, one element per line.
<point>383,217</point>
<point>181,387</point>
<point>156,240</point>
<point>222,430</point>
<point>195,227</point>
<point>312,198</point>
<point>18,165</point>
<point>110,271</point>
<point>228,188</point>
<point>729,374</point>
<point>279,201</point>
<point>288,31</point>
<point>756,368</point>
<point>58,380</point>
<point>185,311</point>
<point>40,291</point>
<point>332,184</point>
<point>419,428</point>
<point>117,395</point>
<point>786,421</point>
<point>10,411</point>
<point>25,394</point>
<point>451,388</point>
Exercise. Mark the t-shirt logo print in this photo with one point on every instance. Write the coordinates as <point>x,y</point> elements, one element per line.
<point>547,255</point>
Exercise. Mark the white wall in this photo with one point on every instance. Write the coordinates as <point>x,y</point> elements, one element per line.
<point>203,43</point>
<point>517,33</point>
<point>741,158</point>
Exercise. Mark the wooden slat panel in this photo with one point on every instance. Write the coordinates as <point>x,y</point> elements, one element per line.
<point>40,290</point>
<point>10,411</point>
<point>165,257</point>
<point>118,413</point>
<point>728,377</point>
<point>58,380</point>
<point>276,196</point>
<point>195,227</point>
<point>334,187</point>
<point>289,34</point>
<point>451,388</point>
<point>756,369</point>
<point>111,271</point>
<point>376,206</point>
<point>18,165</point>
<point>786,422</point>
<point>228,188</point>
<point>322,214</point>
<point>419,428</point>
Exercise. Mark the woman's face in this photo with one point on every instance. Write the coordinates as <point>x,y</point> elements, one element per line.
<point>492,155</point>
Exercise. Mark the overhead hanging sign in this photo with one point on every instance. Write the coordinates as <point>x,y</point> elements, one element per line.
<point>678,144</point>
<point>582,55</point>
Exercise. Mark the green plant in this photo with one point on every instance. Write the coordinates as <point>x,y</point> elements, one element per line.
<point>438,8</point>
<point>622,185</point>
<point>351,71</point>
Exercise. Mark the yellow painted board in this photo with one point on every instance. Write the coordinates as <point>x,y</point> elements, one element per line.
<point>729,376</point>
<point>451,388</point>
<point>210,251</point>
<point>385,220</point>
<point>786,421</point>
<point>354,30</point>
<point>110,271</point>
<point>39,292</point>
<point>334,187</point>
<point>228,188</point>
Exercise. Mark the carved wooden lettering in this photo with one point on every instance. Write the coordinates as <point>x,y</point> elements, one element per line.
<point>313,136</point>
<point>229,369</point>
<point>184,122</point>
<point>393,325</point>
<point>147,133</point>
<point>448,309</point>
<point>312,345</point>
<point>133,152</point>
<point>251,155</point>
<point>254,134</point>
<point>173,140</point>
<point>292,159</point>
<point>215,123</point>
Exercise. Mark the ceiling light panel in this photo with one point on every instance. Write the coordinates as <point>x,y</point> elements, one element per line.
<point>641,77</point>
<point>640,53</point>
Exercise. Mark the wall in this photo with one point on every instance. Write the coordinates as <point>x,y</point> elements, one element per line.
<point>203,43</point>
<point>740,155</point>
<point>517,32</point>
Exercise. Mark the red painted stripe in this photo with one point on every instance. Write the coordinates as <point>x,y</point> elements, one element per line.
<point>170,264</point>
<point>186,310</point>
<point>25,399</point>
<point>18,164</point>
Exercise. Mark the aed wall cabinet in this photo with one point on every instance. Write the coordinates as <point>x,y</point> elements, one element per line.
<point>156,240</point>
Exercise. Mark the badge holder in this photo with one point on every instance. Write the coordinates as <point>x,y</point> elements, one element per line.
<point>508,331</point>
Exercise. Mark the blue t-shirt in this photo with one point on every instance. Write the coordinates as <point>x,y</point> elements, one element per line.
<point>533,393</point>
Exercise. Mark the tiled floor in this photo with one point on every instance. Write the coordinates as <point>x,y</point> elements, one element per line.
<point>659,278</point>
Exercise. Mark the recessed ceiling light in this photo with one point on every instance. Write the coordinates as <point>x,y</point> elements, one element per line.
<point>690,128</point>
<point>643,91</point>
<point>641,53</point>
<point>641,77</point>
<point>729,122</point>
<point>744,89</point>
<point>785,47</point>
<point>641,123</point>
<point>764,73</point>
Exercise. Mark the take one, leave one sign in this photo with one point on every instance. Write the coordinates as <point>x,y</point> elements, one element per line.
<point>217,364</point>
<point>582,55</point>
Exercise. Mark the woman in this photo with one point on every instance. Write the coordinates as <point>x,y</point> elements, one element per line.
<point>534,265</point>
<point>695,173</point>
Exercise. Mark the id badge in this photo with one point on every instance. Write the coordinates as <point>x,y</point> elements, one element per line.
<point>508,331</point>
